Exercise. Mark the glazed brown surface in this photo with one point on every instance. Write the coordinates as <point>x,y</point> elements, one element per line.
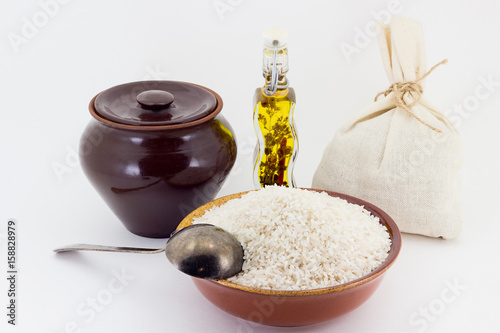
<point>153,176</point>
<point>152,179</point>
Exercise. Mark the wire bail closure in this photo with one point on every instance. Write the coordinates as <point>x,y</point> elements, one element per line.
<point>271,88</point>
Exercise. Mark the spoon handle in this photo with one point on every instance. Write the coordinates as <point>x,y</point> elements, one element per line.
<point>90,247</point>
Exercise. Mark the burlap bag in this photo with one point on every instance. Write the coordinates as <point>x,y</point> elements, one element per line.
<point>400,153</point>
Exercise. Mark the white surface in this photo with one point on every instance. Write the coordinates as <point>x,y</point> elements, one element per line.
<point>85,47</point>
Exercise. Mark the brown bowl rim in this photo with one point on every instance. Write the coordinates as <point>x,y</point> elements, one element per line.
<point>211,115</point>
<point>385,219</point>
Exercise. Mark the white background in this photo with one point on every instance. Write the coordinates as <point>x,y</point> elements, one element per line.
<point>84,47</point>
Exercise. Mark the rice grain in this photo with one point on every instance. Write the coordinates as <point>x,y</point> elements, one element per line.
<point>295,239</point>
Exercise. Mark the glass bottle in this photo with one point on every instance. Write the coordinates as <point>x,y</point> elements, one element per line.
<point>277,145</point>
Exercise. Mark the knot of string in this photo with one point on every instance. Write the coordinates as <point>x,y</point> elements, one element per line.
<point>413,91</point>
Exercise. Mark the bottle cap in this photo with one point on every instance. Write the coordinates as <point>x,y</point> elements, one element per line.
<point>275,37</point>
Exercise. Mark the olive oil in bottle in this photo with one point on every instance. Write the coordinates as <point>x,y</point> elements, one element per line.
<point>277,144</point>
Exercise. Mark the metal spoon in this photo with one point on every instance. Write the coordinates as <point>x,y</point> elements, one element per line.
<point>200,250</point>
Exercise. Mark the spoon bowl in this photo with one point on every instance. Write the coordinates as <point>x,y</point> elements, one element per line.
<point>205,251</point>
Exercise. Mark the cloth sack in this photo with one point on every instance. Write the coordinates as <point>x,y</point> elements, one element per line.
<point>400,153</point>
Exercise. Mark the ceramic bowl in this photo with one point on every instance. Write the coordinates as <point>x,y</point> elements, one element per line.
<point>296,308</point>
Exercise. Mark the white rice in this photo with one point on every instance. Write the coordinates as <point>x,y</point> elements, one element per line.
<point>296,239</point>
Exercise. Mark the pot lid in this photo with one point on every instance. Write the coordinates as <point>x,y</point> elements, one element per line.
<point>155,103</point>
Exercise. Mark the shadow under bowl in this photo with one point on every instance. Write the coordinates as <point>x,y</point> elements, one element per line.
<point>292,307</point>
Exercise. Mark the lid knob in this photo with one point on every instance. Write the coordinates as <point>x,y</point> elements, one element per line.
<point>155,99</point>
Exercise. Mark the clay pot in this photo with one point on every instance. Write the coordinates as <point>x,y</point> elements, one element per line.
<point>155,151</point>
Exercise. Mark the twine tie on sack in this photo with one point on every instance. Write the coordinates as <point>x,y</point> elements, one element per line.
<point>413,89</point>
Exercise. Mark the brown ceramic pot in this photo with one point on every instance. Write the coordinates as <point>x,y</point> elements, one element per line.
<point>155,151</point>
<point>293,307</point>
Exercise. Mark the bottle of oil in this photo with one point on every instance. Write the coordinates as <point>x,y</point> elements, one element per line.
<point>277,145</point>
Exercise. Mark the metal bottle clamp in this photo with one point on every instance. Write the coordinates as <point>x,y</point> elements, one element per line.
<point>271,88</point>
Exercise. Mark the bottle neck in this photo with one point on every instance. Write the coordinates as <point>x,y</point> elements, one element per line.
<point>275,68</point>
